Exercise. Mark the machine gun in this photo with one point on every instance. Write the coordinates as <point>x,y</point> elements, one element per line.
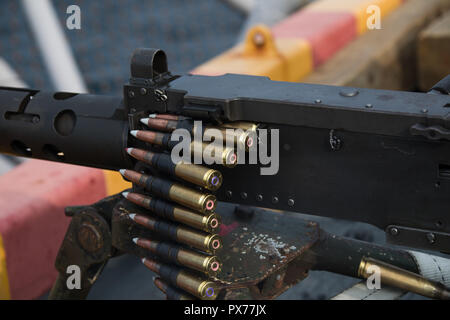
<point>374,156</point>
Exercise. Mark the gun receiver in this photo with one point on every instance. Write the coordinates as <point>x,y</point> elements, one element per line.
<point>376,156</point>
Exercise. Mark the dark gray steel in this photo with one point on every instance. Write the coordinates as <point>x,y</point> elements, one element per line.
<point>386,165</point>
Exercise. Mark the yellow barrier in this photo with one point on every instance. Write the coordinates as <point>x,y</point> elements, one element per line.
<point>115,183</point>
<point>4,283</point>
<point>262,55</point>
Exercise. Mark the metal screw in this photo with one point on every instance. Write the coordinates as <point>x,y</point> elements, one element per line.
<point>369,106</point>
<point>291,202</point>
<point>424,110</point>
<point>131,94</point>
<point>318,101</point>
<point>349,92</point>
<point>244,195</point>
<point>259,197</point>
<point>431,238</point>
<point>275,200</point>
<point>393,231</point>
<point>35,119</point>
<point>229,194</point>
<point>258,40</point>
<point>143,91</point>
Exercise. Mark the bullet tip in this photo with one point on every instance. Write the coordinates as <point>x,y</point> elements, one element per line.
<point>153,115</point>
<point>129,150</point>
<point>145,121</point>
<point>134,133</point>
<point>125,194</point>
<point>143,260</point>
<point>122,171</point>
<point>132,215</point>
<point>135,240</point>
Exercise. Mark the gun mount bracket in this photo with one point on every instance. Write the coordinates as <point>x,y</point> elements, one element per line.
<point>418,238</point>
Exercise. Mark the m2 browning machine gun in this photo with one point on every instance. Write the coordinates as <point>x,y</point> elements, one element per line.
<point>375,156</point>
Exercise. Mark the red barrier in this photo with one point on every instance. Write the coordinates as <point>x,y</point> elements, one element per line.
<point>327,32</point>
<point>32,221</point>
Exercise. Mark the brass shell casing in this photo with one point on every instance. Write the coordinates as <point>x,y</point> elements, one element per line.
<point>202,202</point>
<point>246,126</point>
<point>250,132</point>
<point>205,177</point>
<point>226,157</point>
<point>403,279</point>
<point>196,261</point>
<point>203,289</point>
<point>242,139</point>
<point>205,242</point>
<point>209,223</point>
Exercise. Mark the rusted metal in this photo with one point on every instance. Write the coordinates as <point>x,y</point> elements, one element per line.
<point>264,253</point>
<point>87,245</point>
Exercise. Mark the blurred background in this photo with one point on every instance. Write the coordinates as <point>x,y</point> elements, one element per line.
<point>191,33</point>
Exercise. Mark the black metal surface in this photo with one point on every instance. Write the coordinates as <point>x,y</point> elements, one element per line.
<point>87,245</point>
<point>376,179</point>
<point>258,99</point>
<point>442,87</point>
<point>419,238</point>
<point>376,156</point>
<point>343,255</point>
<point>80,129</point>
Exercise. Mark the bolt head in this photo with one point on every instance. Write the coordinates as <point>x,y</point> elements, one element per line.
<point>89,237</point>
<point>431,237</point>
<point>349,92</point>
<point>258,40</point>
<point>393,231</point>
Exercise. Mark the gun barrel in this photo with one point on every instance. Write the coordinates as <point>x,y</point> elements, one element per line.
<point>82,129</point>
